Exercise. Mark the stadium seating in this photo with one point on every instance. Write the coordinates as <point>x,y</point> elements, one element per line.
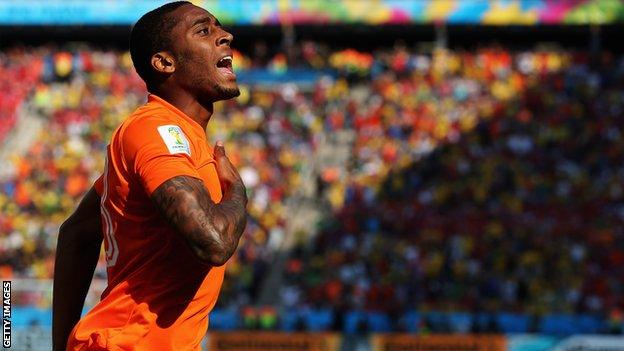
<point>483,182</point>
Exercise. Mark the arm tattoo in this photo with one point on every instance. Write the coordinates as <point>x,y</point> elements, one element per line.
<point>212,230</point>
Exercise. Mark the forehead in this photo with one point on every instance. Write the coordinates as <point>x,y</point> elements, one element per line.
<point>188,15</point>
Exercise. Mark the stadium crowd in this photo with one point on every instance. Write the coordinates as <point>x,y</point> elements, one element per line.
<point>481,181</point>
<point>19,71</point>
<point>518,208</point>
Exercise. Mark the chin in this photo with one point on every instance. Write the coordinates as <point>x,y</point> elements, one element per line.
<point>227,92</point>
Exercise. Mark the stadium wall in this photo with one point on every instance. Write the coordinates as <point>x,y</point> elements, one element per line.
<point>39,339</point>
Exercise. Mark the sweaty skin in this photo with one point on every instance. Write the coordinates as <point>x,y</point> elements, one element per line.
<point>190,80</point>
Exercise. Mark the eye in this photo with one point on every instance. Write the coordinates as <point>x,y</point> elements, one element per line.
<point>203,31</point>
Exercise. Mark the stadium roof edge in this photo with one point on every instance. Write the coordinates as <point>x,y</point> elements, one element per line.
<point>324,12</point>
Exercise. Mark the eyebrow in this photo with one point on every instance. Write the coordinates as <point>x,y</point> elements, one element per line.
<point>202,20</point>
<point>206,19</point>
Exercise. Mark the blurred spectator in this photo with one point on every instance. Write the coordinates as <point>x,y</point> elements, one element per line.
<point>483,181</point>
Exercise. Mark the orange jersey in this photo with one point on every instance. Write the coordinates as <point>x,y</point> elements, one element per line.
<point>158,295</point>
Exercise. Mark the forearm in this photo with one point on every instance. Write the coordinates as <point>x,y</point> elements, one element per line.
<point>237,194</point>
<point>211,230</point>
<point>230,218</point>
<point>232,210</point>
<point>73,272</point>
<point>77,253</point>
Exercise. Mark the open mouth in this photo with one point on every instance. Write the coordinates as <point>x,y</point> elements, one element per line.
<point>225,65</point>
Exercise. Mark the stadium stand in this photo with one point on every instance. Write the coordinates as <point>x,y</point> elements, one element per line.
<point>448,153</point>
<point>20,71</point>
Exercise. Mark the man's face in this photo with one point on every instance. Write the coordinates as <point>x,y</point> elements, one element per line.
<point>203,55</point>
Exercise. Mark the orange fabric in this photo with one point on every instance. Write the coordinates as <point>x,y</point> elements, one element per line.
<point>158,295</point>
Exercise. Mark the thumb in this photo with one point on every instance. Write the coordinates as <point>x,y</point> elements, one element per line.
<point>219,151</point>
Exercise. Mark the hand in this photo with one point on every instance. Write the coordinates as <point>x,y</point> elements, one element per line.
<point>231,182</point>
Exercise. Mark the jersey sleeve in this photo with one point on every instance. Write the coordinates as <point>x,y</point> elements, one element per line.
<point>156,151</point>
<point>99,185</point>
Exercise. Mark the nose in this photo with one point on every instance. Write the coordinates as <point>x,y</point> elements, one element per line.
<point>225,39</point>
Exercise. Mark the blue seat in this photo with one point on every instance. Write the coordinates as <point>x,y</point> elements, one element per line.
<point>379,322</point>
<point>412,321</point>
<point>223,320</point>
<point>351,321</point>
<point>590,324</point>
<point>318,319</point>
<point>513,322</point>
<point>289,320</point>
<point>460,322</point>
<point>437,320</point>
<point>559,324</point>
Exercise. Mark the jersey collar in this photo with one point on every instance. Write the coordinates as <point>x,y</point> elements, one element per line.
<point>157,99</point>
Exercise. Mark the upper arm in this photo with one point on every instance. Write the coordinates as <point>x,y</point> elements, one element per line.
<point>85,223</point>
<point>154,150</point>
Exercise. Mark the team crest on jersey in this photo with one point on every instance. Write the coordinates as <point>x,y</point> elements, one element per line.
<point>175,139</point>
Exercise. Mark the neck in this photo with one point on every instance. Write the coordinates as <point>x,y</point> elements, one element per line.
<point>198,111</point>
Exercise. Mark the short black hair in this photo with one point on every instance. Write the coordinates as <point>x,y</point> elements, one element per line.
<point>151,34</point>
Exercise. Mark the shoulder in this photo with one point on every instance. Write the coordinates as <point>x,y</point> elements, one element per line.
<point>147,117</point>
<point>150,123</point>
<point>155,131</point>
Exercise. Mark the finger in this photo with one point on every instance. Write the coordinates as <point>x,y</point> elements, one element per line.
<point>219,150</point>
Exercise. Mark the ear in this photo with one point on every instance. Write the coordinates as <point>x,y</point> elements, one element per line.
<point>163,62</point>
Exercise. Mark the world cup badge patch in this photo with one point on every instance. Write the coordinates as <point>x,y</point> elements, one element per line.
<point>174,138</point>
